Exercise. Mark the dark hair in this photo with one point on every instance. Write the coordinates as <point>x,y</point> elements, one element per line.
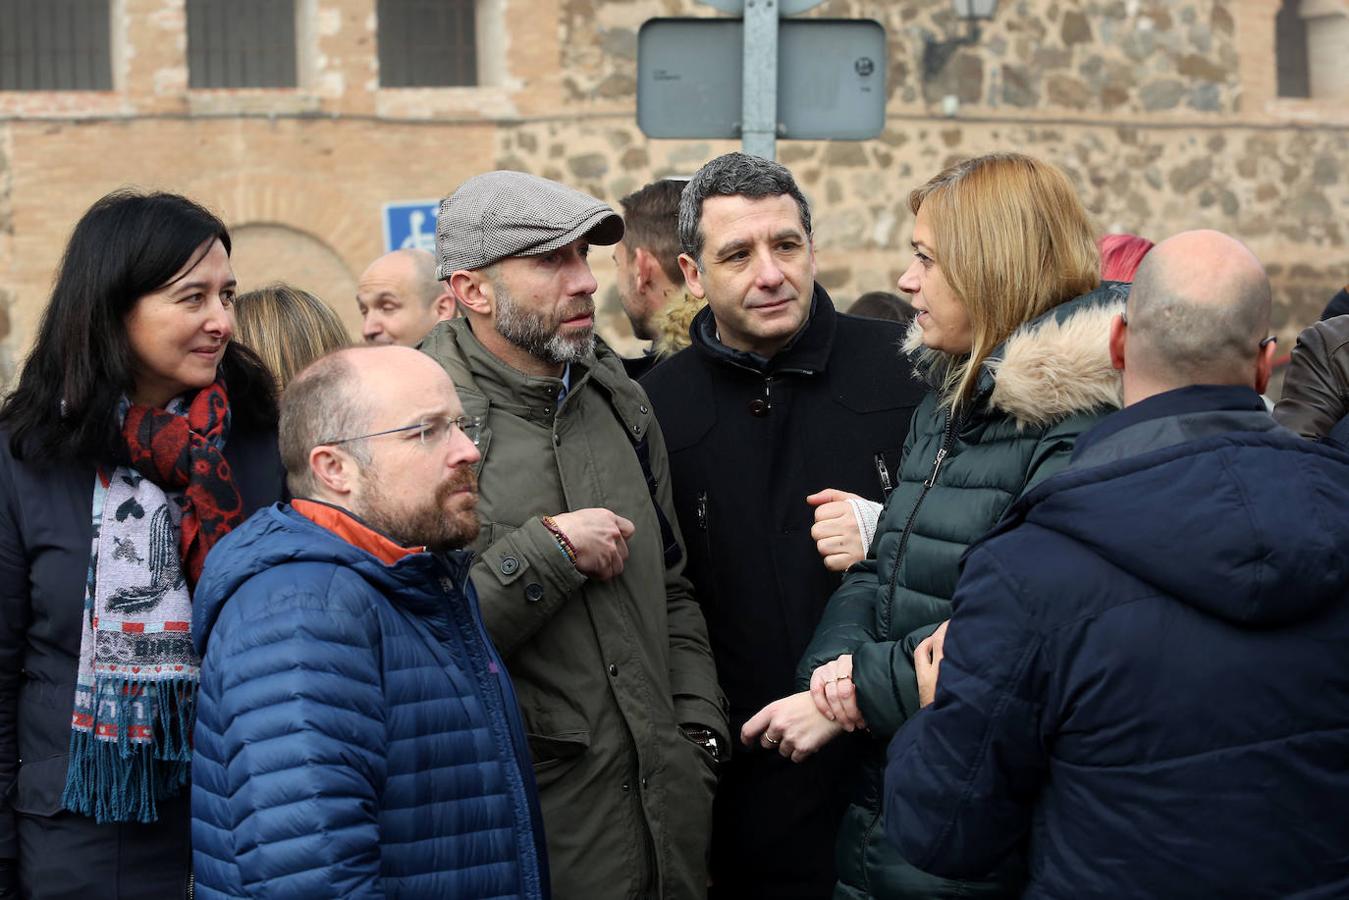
<point>127,245</point>
<point>651,221</point>
<point>733,175</point>
<point>883,305</point>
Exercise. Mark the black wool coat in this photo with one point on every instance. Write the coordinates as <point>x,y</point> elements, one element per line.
<point>45,538</point>
<point>749,438</point>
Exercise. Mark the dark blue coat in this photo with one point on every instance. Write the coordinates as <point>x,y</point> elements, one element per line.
<point>356,733</point>
<point>1145,674</point>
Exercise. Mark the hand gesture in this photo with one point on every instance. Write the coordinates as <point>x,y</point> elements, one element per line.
<point>600,538</point>
<point>927,661</point>
<point>835,695</point>
<point>792,726</point>
<point>836,533</point>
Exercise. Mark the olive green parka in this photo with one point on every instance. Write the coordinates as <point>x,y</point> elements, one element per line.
<point>1042,387</point>
<point>606,671</point>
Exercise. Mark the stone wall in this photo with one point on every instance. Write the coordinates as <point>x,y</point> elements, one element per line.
<point>1163,114</point>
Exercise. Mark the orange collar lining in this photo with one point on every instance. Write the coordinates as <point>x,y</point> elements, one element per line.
<point>348,528</point>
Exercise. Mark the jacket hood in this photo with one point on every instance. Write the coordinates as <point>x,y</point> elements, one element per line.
<point>1050,368</point>
<point>1251,527</point>
<point>277,535</point>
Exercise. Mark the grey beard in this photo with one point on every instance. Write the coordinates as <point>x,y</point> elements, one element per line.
<point>536,334</point>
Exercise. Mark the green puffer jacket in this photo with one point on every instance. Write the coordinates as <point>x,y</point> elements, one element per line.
<point>605,671</point>
<point>1046,384</point>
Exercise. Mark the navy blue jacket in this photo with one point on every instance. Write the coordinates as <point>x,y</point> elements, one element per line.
<point>356,733</point>
<point>1145,672</point>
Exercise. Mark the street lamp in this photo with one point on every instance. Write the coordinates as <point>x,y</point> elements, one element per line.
<point>937,53</point>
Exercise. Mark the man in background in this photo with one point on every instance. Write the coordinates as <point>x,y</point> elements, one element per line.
<point>650,283</point>
<point>400,299</point>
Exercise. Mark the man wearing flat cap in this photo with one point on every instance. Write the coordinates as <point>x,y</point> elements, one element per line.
<point>580,562</point>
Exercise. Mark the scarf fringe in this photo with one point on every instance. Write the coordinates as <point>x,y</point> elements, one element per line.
<point>122,779</point>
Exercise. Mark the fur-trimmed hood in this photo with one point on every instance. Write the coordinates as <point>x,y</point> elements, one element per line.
<point>1049,369</point>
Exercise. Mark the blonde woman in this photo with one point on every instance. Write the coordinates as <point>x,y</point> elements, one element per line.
<point>1011,333</point>
<point>288,328</point>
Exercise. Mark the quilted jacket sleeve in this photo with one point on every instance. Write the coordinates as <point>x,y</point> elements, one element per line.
<point>290,739</point>
<point>962,778</point>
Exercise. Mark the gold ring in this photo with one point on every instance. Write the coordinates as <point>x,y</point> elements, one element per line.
<point>771,740</point>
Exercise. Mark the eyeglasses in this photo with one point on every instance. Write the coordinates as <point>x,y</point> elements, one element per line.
<point>1272,339</point>
<point>430,430</point>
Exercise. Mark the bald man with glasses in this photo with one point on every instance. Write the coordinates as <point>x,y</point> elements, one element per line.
<point>356,732</point>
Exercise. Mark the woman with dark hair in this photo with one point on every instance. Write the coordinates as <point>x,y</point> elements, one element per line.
<point>137,437</point>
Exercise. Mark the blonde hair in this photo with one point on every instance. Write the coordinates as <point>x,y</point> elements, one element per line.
<point>1013,241</point>
<point>672,324</point>
<point>288,328</point>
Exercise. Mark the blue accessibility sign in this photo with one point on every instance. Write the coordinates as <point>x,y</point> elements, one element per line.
<point>410,224</point>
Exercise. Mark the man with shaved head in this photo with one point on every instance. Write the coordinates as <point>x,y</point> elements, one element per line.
<point>1144,677</point>
<point>400,299</point>
<point>356,733</point>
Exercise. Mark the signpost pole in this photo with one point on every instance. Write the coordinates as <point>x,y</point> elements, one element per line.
<point>759,103</point>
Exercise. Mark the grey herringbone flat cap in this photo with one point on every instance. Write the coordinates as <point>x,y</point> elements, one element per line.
<point>503,214</point>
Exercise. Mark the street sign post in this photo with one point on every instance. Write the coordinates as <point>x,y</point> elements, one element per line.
<point>829,81</point>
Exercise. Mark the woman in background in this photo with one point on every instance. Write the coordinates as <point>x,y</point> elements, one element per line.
<point>137,437</point>
<point>287,328</point>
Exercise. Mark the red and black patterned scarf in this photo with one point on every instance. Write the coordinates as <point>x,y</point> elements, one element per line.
<point>185,454</point>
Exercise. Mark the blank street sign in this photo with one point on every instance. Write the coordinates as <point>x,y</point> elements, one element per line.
<point>831,78</point>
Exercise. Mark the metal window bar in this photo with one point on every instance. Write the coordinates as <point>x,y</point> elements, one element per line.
<point>55,45</point>
<point>427,43</point>
<point>241,43</point>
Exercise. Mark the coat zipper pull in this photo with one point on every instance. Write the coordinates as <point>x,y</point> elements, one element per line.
<point>936,467</point>
<point>702,511</point>
<point>884,474</point>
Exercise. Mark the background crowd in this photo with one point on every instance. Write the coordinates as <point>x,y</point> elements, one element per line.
<point>983,590</point>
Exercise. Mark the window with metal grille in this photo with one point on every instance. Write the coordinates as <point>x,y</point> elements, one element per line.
<point>241,43</point>
<point>427,43</point>
<point>55,45</point>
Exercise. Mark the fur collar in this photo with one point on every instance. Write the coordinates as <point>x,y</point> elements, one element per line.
<point>1049,369</point>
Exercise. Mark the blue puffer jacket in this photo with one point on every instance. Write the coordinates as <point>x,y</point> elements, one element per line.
<point>356,733</point>
<point>1145,671</point>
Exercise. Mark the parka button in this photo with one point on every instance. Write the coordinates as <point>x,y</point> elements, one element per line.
<point>643,409</point>
<point>643,782</point>
<point>626,786</point>
<point>557,440</point>
<point>613,671</point>
<point>534,592</point>
<point>509,565</point>
<point>636,429</point>
<point>758,407</point>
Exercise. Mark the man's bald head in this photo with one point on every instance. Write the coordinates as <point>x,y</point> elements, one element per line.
<point>1197,312</point>
<point>400,299</point>
<point>337,396</point>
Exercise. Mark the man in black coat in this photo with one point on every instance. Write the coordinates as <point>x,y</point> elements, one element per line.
<point>778,397</point>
